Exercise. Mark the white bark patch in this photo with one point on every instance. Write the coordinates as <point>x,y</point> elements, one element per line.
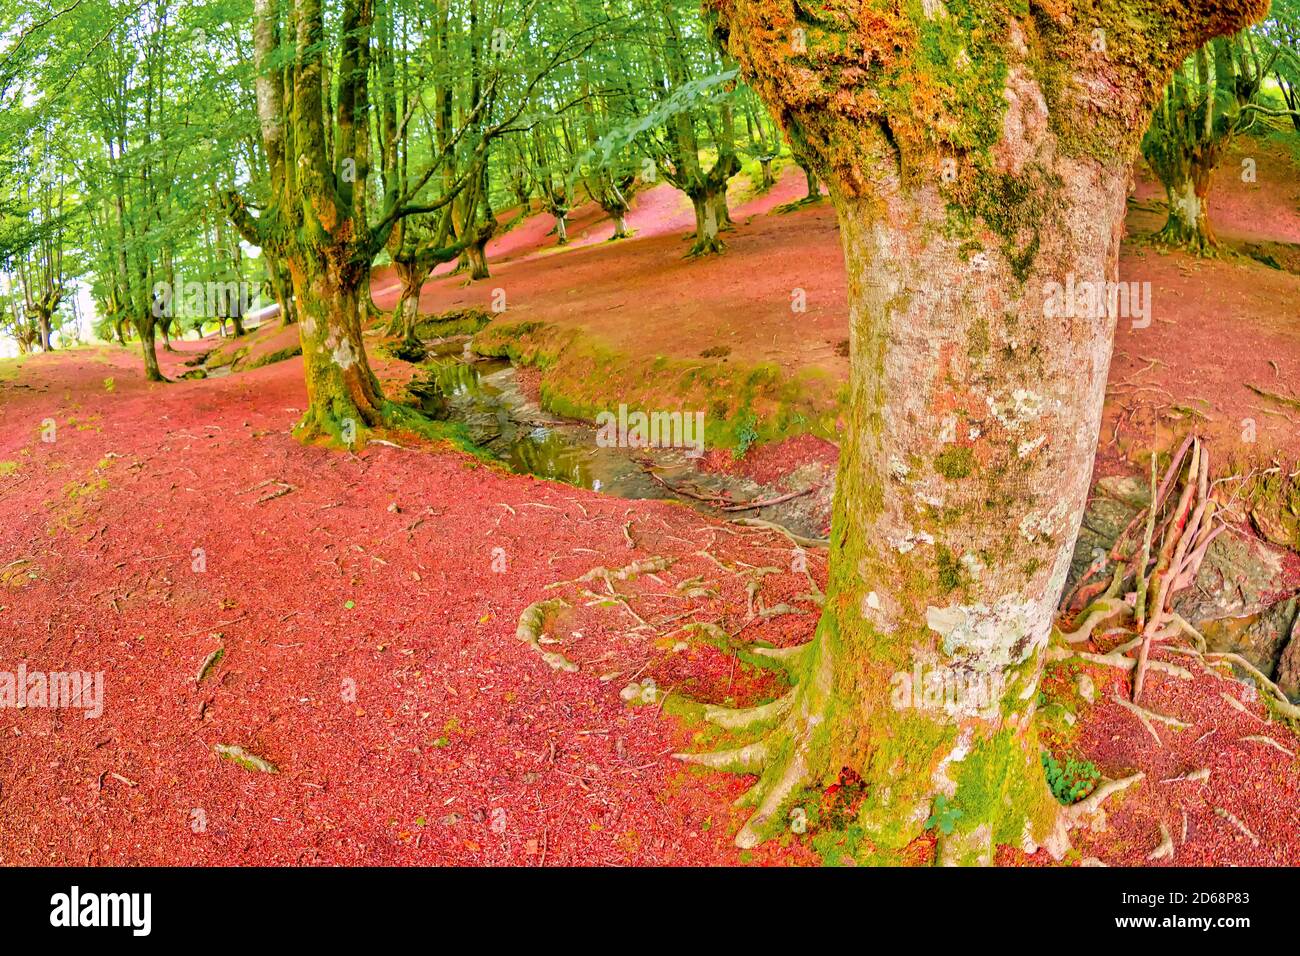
<point>991,639</point>
<point>911,540</point>
<point>880,612</point>
<point>1017,409</point>
<point>1043,527</point>
<point>934,9</point>
<point>942,782</point>
<point>1027,448</point>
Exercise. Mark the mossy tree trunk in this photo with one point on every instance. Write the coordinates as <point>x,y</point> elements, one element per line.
<point>46,324</point>
<point>145,326</point>
<point>706,241</point>
<point>974,405</point>
<point>412,274</point>
<point>342,391</point>
<point>1207,103</point>
<point>1188,223</point>
<point>317,226</point>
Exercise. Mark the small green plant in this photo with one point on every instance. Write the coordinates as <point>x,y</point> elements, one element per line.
<point>943,816</point>
<point>746,432</point>
<point>1073,781</point>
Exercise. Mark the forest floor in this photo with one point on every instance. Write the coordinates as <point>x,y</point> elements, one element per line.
<point>367,604</point>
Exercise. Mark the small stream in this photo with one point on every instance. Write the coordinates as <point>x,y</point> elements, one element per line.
<point>483,394</point>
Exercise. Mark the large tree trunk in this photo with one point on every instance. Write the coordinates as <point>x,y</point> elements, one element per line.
<point>975,397</point>
<point>343,395</point>
<point>975,418</point>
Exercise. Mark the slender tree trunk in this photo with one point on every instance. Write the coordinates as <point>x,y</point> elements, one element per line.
<point>562,227</point>
<point>478,261</point>
<point>145,327</point>
<point>281,289</point>
<point>45,323</point>
<point>814,186</point>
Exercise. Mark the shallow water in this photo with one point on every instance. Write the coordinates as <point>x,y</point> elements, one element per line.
<point>484,396</point>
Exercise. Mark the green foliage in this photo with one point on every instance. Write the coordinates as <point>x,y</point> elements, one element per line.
<point>943,815</point>
<point>1073,781</point>
<point>746,432</point>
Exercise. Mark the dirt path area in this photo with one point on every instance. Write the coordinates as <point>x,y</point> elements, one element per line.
<point>370,654</point>
<point>367,604</point>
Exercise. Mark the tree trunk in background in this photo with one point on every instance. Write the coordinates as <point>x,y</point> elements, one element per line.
<point>975,400</point>
<point>281,289</point>
<point>814,186</point>
<point>1188,224</point>
<point>406,316</point>
<point>44,321</point>
<point>478,263</point>
<point>145,327</point>
<point>706,224</point>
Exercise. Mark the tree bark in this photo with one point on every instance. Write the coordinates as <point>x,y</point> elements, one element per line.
<point>1188,223</point>
<point>706,224</point>
<point>975,400</point>
<point>343,393</point>
<point>45,326</point>
<point>145,327</point>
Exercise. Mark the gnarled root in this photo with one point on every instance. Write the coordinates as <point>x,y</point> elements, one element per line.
<point>783,757</point>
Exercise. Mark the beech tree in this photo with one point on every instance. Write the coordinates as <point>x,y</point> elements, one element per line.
<point>39,267</point>
<point>978,152</point>
<point>1211,99</point>
<point>319,217</point>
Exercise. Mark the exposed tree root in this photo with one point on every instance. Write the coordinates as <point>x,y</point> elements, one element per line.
<point>1269,742</point>
<point>1088,807</point>
<point>1102,610</point>
<point>532,623</point>
<point>1281,702</point>
<point>746,717</point>
<point>1165,851</point>
<point>1231,818</point>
